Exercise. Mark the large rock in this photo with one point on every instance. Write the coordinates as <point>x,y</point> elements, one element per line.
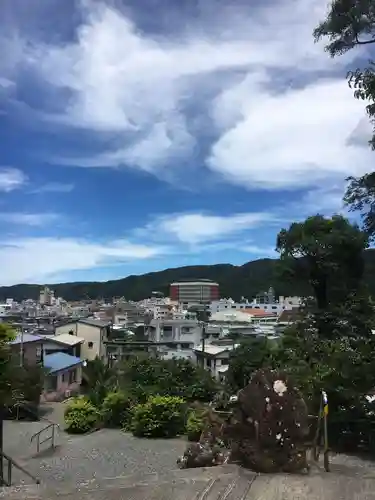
<point>269,425</point>
<point>266,430</point>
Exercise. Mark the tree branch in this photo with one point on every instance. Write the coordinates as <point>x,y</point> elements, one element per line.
<point>366,42</point>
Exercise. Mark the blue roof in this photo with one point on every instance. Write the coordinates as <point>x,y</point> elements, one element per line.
<point>27,338</point>
<point>59,361</point>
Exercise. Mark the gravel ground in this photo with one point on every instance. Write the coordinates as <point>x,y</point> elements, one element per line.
<point>103,454</point>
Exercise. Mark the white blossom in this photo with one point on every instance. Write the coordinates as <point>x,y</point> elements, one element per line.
<point>279,387</point>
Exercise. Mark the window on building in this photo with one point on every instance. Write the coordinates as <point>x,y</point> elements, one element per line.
<point>71,332</point>
<point>225,362</point>
<point>63,377</point>
<point>185,329</point>
<point>52,382</point>
<point>72,376</point>
<point>186,345</point>
<point>39,354</point>
<point>90,345</point>
<point>208,362</point>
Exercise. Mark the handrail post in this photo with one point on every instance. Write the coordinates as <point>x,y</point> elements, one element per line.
<point>38,443</point>
<point>53,435</point>
<point>1,445</point>
<point>325,417</point>
<point>9,473</point>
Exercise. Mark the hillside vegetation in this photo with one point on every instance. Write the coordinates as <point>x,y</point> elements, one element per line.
<point>235,281</point>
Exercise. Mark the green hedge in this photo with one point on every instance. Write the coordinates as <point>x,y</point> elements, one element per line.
<point>160,416</point>
<point>81,416</point>
<point>116,409</point>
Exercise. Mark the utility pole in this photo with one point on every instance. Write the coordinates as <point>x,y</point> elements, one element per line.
<point>21,346</point>
<point>203,341</point>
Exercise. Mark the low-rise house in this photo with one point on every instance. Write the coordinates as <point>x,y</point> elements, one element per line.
<point>174,338</point>
<point>64,376</point>
<point>214,358</point>
<point>70,344</point>
<point>94,333</point>
<point>28,349</point>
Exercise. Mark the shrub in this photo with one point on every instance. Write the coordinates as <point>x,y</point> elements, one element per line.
<point>81,416</point>
<point>195,425</point>
<point>116,409</point>
<point>160,416</point>
<point>145,377</point>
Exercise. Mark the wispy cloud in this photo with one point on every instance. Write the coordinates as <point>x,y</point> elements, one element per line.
<point>279,114</point>
<point>198,228</point>
<point>29,219</point>
<point>53,187</point>
<point>11,179</point>
<point>37,259</point>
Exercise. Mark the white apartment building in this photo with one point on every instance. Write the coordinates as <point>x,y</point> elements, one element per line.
<point>5,309</point>
<point>283,304</point>
<point>177,337</point>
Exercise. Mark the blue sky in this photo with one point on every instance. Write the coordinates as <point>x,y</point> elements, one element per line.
<point>136,136</point>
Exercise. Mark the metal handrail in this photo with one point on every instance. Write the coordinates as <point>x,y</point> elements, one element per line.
<point>51,437</point>
<point>13,463</point>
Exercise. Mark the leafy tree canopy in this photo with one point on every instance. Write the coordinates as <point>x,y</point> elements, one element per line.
<point>351,23</point>
<point>327,252</point>
<point>252,354</point>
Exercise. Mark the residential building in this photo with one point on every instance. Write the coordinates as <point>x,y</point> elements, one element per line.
<point>282,304</point>
<point>46,297</point>
<point>194,292</point>
<point>128,313</point>
<point>64,376</point>
<point>94,333</point>
<point>174,338</point>
<point>68,343</point>
<point>214,358</point>
<point>28,349</point>
<point>266,297</point>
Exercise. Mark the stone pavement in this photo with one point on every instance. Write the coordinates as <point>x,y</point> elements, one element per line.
<point>216,483</point>
<point>115,465</point>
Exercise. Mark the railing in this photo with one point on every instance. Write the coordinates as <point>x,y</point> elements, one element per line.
<point>51,437</point>
<point>10,462</point>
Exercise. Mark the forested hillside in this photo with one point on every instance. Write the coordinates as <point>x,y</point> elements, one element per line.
<point>235,281</point>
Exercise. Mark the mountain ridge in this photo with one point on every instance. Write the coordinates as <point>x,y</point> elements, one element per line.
<point>235,281</point>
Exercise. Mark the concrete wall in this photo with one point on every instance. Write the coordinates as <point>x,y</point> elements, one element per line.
<point>93,345</point>
<point>31,352</point>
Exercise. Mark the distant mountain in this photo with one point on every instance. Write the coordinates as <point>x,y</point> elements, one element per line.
<point>235,281</point>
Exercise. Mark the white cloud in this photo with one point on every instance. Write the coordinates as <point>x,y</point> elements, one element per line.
<point>198,228</point>
<point>29,219</point>
<point>298,138</point>
<point>11,179</point>
<point>251,70</point>
<point>36,259</point>
<point>260,251</point>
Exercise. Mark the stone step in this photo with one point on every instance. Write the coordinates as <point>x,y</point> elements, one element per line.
<point>216,483</point>
<point>18,435</point>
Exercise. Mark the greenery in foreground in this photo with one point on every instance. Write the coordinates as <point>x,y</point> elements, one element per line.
<point>148,396</point>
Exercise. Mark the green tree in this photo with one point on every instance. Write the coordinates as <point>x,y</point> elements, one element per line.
<point>325,252</point>
<point>99,379</point>
<point>144,376</point>
<point>330,348</point>
<point>7,392</point>
<point>349,24</point>
<point>251,355</point>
